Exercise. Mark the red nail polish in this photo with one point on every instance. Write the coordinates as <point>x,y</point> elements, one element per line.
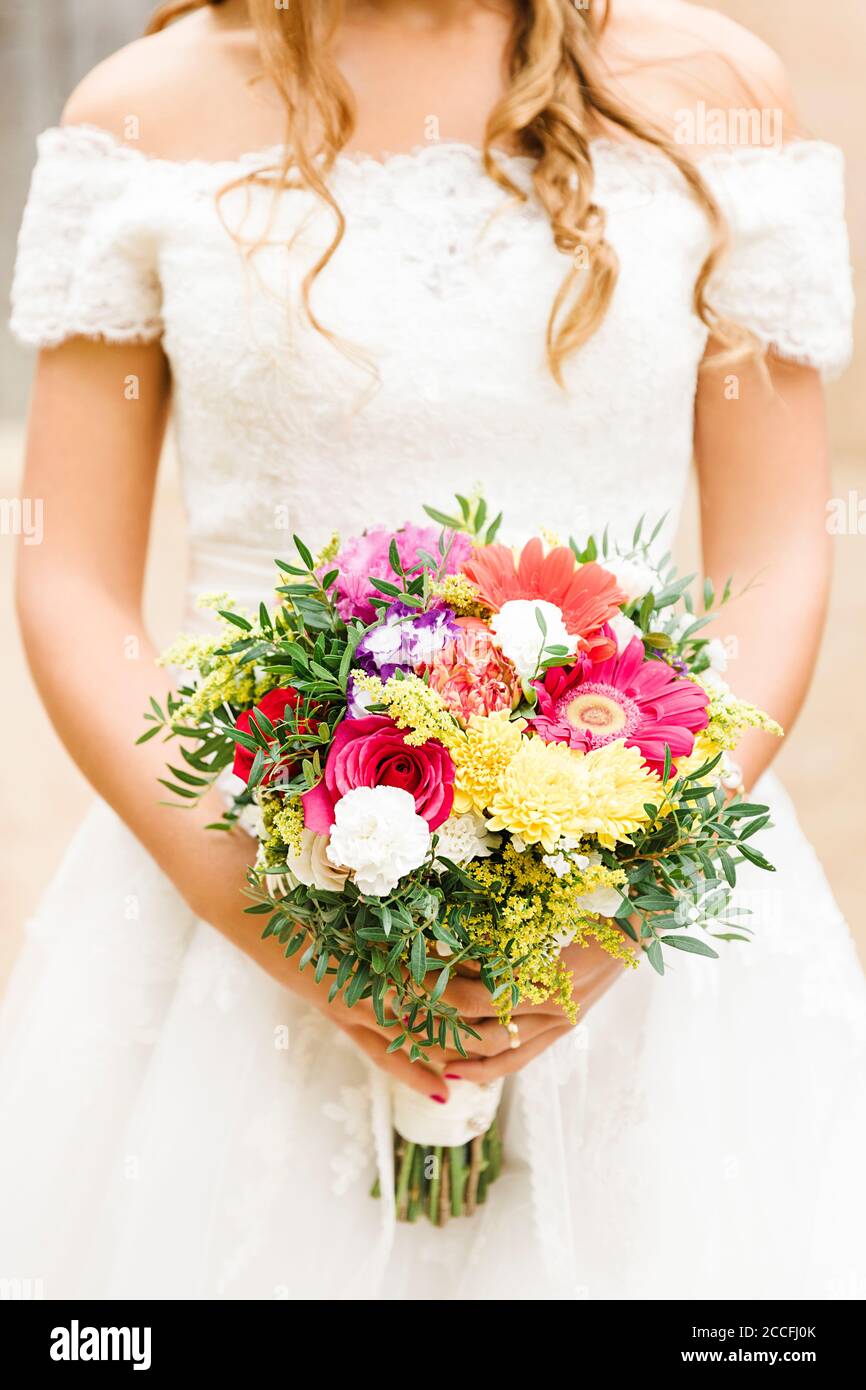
<point>440,1100</point>
<point>452,1076</point>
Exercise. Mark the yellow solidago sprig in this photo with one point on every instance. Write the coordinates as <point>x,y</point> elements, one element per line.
<point>282,827</point>
<point>413,706</point>
<point>526,914</point>
<point>328,552</point>
<point>730,717</point>
<point>459,594</point>
<point>221,677</point>
<point>549,791</point>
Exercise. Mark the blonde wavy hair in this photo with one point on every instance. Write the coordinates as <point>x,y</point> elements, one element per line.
<point>555,103</point>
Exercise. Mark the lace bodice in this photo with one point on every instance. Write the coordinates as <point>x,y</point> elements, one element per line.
<point>440,293</point>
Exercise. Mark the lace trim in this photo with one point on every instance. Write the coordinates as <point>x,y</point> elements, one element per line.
<point>50,335</point>
<point>95,140</point>
<point>802,313</point>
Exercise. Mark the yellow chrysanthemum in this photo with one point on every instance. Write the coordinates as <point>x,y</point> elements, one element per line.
<point>618,784</point>
<point>549,790</point>
<point>482,755</point>
<point>533,797</point>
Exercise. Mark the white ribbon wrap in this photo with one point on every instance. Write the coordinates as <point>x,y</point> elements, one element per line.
<point>468,1112</point>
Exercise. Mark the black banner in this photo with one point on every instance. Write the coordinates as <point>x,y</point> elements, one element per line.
<point>153,1338</point>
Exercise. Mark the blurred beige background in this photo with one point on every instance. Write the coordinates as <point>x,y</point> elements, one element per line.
<point>43,796</point>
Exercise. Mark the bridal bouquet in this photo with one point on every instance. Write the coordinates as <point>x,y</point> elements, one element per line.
<point>456,756</point>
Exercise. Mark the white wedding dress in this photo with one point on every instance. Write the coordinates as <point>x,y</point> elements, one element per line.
<point>699,1135</point>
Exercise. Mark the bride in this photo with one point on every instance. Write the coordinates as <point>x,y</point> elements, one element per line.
<point>365,254</point>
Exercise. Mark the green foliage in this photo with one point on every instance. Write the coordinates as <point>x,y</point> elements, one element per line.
<point>384,949</point>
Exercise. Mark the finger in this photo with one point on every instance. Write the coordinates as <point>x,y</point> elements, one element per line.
<point>414,1074</point>
<point>494,1037</point>
<point>363,1015</point>
<point>471,999</point>
<point>474,1002</point>
<point>491,1068</point>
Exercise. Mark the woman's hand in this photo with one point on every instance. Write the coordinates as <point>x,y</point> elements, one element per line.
<point>219,871</point>
<point>494,1054</point>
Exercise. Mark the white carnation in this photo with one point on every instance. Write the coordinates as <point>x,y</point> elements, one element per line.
<point>378,834</point>
<point>634,577</point>
<point>519,636</point>
<point>464,838</point>
<point>250,817</point>
<point>678,624</point>
<point>713,681</point>
<point>718,655</point>
<point>623,630</point>
<point>311,866</point>
<point>278,885</point>
<point>560,864</point>
<point>603,900</point>
<point>252,821</point>
<point>607,901</point>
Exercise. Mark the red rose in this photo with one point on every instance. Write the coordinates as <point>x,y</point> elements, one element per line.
<point>273,706</point>
<point>373,752</point>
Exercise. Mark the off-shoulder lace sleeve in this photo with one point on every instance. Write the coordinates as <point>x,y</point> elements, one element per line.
<point>87,247</point>
<point>787,275</point>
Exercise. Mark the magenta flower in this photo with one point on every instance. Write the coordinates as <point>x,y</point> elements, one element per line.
<point>372,752</point>
<point>643,702</point>
<point>365,557</point>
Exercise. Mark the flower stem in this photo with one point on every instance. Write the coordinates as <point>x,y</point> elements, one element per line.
<point>476,1157</point>
<point>444,1203</point>
<point>406,1154</point>
<point>416,1184</point>
<point>458,1179</point>
<point>435,1185</point>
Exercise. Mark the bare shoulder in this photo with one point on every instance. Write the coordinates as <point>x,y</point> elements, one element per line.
<point>669,57</point>
<point>151,94</point>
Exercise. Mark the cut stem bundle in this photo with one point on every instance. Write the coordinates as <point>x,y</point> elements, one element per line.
<point>438,1182</point>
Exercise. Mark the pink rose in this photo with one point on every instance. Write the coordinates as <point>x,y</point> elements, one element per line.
<point>372,752</point>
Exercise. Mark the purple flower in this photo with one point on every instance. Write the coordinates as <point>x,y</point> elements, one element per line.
<point>365,557</point>
<point>403,641</point>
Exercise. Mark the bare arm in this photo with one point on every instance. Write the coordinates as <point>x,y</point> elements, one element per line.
<point>92,457</point>
<point>764,481</point>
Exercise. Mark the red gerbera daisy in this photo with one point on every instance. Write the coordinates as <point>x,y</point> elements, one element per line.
<point>586,595</point>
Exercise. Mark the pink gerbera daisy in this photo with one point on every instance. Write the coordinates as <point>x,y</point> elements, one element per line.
<point>643,702</point>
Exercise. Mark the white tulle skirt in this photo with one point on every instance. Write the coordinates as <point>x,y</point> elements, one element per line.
<point>175,1125</point>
